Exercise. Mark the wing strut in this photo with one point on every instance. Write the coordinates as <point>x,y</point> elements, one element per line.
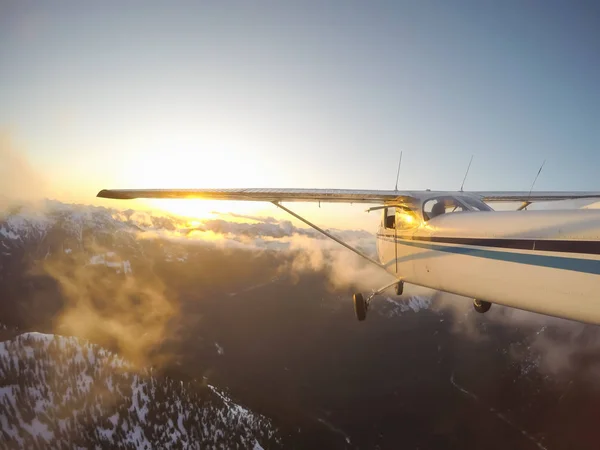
<point>395,240</point>
<point>329,235</point>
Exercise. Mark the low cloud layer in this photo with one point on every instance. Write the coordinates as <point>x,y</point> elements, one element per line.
<point>307,248</point>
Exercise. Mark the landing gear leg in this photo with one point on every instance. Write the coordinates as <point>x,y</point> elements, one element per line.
<point>481,306</point>
<point>360,306</point>
<point>400,288</point>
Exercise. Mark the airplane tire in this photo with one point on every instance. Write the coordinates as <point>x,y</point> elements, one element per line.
<point>481,306</point>
<point>400,288</point>
<point>360,307</point>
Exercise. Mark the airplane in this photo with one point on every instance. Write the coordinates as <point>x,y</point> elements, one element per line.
<point>544,261</point>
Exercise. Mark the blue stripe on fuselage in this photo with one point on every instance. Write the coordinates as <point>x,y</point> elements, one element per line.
<point>591,266</point>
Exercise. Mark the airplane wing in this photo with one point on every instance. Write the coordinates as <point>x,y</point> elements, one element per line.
<point>265,195</point>
<point>335,195</point>
<point>270,195</point>
<point>539,196</point>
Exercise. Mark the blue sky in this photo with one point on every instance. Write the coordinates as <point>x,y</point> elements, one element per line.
<point>304,94</point>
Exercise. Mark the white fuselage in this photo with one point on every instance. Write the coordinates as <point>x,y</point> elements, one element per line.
<point>542,261</point>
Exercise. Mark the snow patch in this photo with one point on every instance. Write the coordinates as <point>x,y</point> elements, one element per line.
<point>234,408</point>
<point>97,259</point>
<point>8,233</point>
<point>113,262</point>
<point>398,307</point>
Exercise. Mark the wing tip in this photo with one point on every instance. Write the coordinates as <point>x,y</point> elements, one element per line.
<point>117,195</point>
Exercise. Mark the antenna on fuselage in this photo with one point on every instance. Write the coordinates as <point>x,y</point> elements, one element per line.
<point>467,173</point>
<point>398,174</point>
<point>527,203</point>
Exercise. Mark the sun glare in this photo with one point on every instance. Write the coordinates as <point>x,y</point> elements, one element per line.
<point>197,211</point>
<point>189,209</point>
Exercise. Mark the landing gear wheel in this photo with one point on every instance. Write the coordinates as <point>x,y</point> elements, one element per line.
<point>481,306</point>
<point>400,288</point>
<point>360,306</point>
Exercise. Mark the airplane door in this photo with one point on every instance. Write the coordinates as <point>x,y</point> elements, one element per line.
<point>406,222</point>
<point>386,247</point>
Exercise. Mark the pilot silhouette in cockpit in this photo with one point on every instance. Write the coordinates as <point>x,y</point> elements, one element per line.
<point>438,209</point>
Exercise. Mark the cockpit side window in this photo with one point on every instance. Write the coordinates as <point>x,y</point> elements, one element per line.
<point>400,217</point>
<point>405,218</point>
<point>389,218</point>
<point>441,205</point>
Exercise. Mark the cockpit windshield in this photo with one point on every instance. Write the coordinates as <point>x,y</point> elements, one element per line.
<point>475,204</point>
<point>450,204</point>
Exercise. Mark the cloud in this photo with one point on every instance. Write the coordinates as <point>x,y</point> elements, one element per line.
<point>262,219</point>
<point>566,348</point>
<point>558,347</point>
<point>343,268</point>
<point>277,230</point>
<point>304,249</point>
<point>19,181</point>
<point>129,314</point>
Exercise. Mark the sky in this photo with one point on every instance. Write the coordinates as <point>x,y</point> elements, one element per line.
<point>319,94</point>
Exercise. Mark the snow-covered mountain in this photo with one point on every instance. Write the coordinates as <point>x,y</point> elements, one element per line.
<point>62,392</point>
<point>31,233</point>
